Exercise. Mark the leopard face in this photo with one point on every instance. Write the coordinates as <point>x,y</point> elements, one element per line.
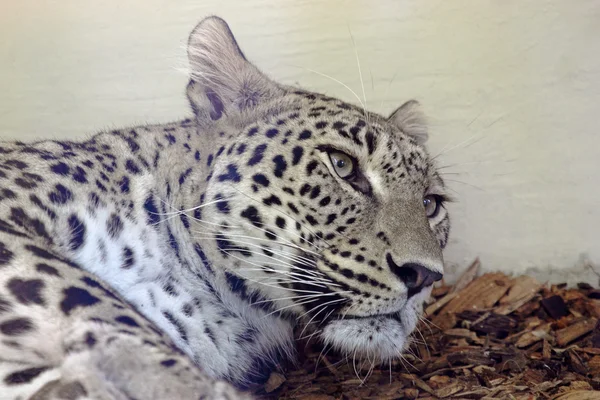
<point>331,215</point>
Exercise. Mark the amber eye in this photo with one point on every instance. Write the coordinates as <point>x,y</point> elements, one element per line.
<point>432,205</point>
<point>343,164</point>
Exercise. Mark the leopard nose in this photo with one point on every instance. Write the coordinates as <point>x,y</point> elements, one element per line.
<point>415,276</point>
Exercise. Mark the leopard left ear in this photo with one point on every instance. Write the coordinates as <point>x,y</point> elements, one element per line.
<point>411,120</point>
<point>222,80</point>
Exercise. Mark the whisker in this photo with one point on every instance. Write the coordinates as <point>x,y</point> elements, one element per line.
<point>229,235</point>
<point>359,74</point>
<point>333,79</point>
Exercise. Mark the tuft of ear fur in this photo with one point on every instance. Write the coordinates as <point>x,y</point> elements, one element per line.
<point>222,80</point>
<point>411,120</point>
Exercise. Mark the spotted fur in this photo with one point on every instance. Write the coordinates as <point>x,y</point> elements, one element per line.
<point>176,260</point>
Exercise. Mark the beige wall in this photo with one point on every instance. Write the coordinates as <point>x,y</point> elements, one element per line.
<point>512,89</point>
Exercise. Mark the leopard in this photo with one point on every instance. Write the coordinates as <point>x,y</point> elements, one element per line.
<point>179,260</point>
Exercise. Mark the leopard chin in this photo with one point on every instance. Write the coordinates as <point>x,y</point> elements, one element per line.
<point>378,338</point>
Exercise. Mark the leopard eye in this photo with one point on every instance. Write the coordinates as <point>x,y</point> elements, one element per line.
<point>343,164</point>
<point>432,204</point>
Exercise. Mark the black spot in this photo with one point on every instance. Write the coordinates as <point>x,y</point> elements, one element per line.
<point>261,179</point>
<point>126,320</point>
<point>315,192</point>
<point>178,325</point>
<point>271,133</point>
<point>170,138</point>
<point>347,273</point>
<point>20,217</point>
<point>77,229</point>
<point>90,339</point>
<point>252,131</point>
<point>76,297</point>
<point>297,153</point>
<point>184,219</point>
<point>16,326</point>
<point>7,194</point>
<point>209,160</point>
<point>280,165</point>
<point>324,201</point>
<point>132,167</point>
<point>305,189</point>
<point>293,208</point>
<point>251,213</point>
<point>305,134</point>
<point>47,269</point>
<point>114,225</point>
<point>330,219</point>
<point>184,176</point>
<point>187,310</point>
<point>128,258</point>
<point>29,181</point>
<point>210,334</point>
<point>310,167</point>
<point>241,148</point>
<point>132,145</point>
<point>370,138</point>
<point>5,254</point>
<point>80,175</point>
<point>24,376</point>
<point>27,291</point>
<point>60,168</point>
<point>35,200</point>
<point>170,289</point>
<point>168,363</point>
<point>100,186</point>
<point>197,155</point>
<point>203,257</point>
<point>60,195</point>
<point>231,175</point>
<point>311,220</point>
<point>151,211</point>
<point>17,164</point>
<point>272,200</point>
<point>280,222</point>
<point>222,205</point>
<point>258,154</point>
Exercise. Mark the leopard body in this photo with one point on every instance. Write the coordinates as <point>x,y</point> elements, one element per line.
<point>176,260</point>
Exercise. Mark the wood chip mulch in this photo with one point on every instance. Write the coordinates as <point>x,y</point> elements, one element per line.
<point>488,337</point>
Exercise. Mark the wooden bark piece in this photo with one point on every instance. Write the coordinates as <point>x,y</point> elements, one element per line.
<point>481,294</point>
<point>572,332</point>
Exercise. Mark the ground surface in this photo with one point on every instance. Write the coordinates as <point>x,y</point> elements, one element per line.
<point>488,337</point>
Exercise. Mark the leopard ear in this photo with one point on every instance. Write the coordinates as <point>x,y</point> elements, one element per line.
<point>411,120</point>
<point>222,81</point>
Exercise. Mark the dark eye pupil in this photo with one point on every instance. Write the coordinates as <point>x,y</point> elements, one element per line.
<point>341,163</point>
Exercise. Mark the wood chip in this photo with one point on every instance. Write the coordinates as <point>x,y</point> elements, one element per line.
<point>481,294</point>
<point>572,332</point>
<point>579,395</point>
<point>523,289</point>
<point>275,380</point>
<point>489,338</point>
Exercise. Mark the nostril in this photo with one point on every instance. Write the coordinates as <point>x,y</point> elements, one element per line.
<point>415,276</point>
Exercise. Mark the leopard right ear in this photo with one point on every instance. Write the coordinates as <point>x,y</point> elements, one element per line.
<point>411,120</point>
<point>222,80</point>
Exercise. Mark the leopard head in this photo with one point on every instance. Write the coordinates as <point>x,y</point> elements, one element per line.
<point>329,214</point>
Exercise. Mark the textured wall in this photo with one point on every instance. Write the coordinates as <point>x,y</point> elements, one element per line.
<point>512,89</point>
